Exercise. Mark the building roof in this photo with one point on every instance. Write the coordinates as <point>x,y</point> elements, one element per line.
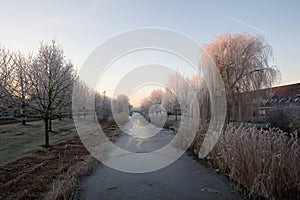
<point>285,94</point>
<point>277,95</point>
<point>285,91</point>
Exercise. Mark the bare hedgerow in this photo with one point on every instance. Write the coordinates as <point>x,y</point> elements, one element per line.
<point>264,162</point>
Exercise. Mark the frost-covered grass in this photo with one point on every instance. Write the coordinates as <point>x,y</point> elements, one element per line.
<point>264,162</point>
<point>17,140</point>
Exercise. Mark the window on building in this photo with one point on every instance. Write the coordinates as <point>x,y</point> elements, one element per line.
<point>262,111</point>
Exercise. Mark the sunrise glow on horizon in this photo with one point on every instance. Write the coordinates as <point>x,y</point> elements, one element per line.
<point>82,26</point>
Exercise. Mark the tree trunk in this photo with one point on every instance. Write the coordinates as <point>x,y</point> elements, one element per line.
<point>50,124</point>
<point>23,120</point>
<point>23,115</point>
<point>230,101</point>
<point>60,114</point>
<point>46,119</point>
<point>227,118</point>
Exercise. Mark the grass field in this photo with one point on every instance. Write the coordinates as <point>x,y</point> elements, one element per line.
<point>17,140</point>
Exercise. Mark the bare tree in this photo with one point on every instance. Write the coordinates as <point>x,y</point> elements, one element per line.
<point>82,94</point>
<point>169,100</point>
<point>121,104</point>
<point>20,87</point>
<point>51,77</point>
<point>145,107</point>
<point>179,85</point>
<point>201,90</point>
<point>63,102</point>
<point>120,109</point>
<point>6,70</point>
<point>243,62</point>
<point>156,96</point>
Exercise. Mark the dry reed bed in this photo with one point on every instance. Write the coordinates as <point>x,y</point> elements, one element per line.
<point>266,163</point>
<point>65,185</point>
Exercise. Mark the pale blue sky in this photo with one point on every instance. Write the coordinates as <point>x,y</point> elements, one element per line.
<point>80,26</point>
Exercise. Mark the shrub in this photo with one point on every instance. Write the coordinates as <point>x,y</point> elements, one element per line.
<point>285,118</point>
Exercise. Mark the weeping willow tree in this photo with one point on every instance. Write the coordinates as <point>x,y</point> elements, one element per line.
<point>244,64</point>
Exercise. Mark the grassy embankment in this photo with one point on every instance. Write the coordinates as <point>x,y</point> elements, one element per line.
<point>17,140</point>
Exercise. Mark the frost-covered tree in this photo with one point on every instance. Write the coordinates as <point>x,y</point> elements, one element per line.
<point>6,70</point>
<point>103,106</point>
<point>120,109</point>
<point>169,101</point>
<point>121,104</point>
<point>63,101</point>
<point>51,77</point>
<point>243,62</point>
<point>20,87</point>
<point>202,93</point>
<point>178,92</point>
<point>81,95</point>
<point>155,98</point>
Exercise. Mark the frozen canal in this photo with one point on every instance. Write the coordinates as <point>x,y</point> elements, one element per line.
<point>185,178</point>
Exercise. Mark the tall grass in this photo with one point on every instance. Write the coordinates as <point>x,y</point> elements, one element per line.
<point>65,186</point>
<point>266,163</point>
